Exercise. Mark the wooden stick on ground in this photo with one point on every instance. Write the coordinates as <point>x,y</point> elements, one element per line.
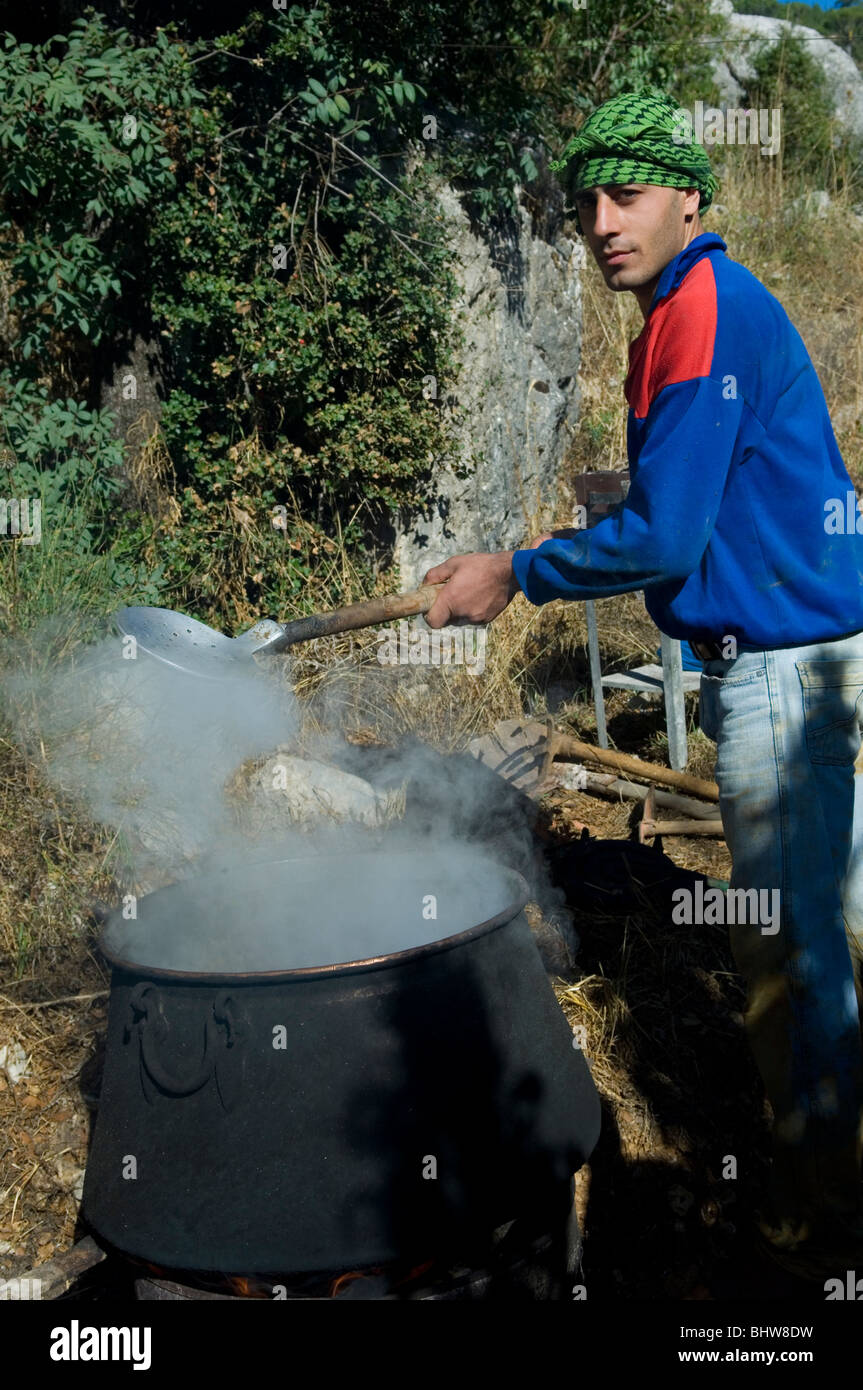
<point>64,999</point>
<point>563,745</point>
<point>55,1277</point>
<point>605,784</point>
<point>681,827</point>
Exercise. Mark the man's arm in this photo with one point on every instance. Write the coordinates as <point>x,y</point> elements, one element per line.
<point>659,533</point>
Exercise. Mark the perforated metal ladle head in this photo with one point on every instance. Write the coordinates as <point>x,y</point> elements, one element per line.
<point>195,649</point>
<point>191,646</point>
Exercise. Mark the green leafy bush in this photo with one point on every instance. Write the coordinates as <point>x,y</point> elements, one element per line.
<point>789,78</point>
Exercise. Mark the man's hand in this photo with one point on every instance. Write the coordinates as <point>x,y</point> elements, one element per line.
<point>480,586</point>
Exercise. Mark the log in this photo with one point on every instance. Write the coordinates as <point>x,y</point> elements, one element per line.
<point>563,745</point>
<point>56,1276</point>
<point>651,828</point>
<point>605,785</point>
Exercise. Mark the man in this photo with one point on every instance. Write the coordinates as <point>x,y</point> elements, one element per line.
<point>730,528</point>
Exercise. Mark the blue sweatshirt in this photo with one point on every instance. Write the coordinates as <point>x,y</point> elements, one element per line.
<point>741,518</point>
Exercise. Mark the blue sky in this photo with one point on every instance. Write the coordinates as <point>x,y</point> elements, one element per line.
<point>822,4</point>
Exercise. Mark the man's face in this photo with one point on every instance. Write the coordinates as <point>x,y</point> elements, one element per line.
<point>635,229</point>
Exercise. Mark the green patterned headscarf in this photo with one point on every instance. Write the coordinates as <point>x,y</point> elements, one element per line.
<point>630,139</point>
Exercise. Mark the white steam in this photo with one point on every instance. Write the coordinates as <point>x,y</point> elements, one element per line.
<point>153,754</point>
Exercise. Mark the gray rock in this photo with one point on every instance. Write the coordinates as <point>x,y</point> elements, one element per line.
<point>305,792</point>
<point>733,69</point>
<point>515,402</point>
<point>814,204</point>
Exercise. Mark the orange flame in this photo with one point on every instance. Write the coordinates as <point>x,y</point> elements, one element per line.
<point>348,1278</point>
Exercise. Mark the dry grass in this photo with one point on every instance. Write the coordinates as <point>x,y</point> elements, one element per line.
<point>52,863</point>
<point>151,474</point>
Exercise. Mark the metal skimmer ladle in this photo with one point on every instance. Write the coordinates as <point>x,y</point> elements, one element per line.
<point>192,647</point>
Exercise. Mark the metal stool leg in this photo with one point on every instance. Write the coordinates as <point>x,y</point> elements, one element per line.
<point>596,673</point>
<point>675,705</point>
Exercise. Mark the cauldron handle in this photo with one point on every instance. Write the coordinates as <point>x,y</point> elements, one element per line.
<point>143,999</point>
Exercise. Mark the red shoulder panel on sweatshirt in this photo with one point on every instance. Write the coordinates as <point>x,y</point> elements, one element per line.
<point>677,341</point>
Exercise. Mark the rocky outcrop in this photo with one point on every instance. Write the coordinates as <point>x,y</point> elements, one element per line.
<point>734,69</point>
<point>514,402</point>
<point>290,791</point>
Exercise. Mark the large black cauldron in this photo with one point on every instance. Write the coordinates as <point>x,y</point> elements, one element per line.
<point>333,1115</point>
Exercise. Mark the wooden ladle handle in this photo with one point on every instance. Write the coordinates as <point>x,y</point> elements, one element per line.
<point>357,615</point>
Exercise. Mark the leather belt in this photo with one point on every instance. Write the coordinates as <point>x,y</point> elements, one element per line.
<point>707,651</point>
<point>713,651</point>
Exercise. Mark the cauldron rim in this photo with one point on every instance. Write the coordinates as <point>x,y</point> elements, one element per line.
<point>392,960</point>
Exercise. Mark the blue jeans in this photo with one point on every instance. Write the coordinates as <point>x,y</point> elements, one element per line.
<point>787,732</point>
